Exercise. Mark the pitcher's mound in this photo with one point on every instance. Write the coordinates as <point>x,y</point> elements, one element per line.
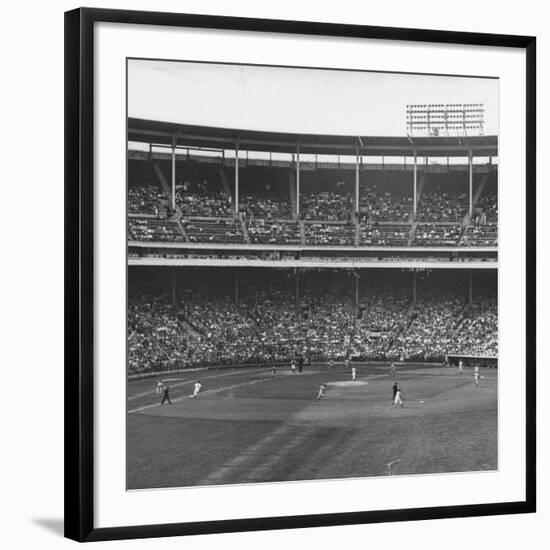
<point>347,383</point>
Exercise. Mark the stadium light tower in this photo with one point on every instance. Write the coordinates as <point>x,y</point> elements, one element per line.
<point>450,119</point>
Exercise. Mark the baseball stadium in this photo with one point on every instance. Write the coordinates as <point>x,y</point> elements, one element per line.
<point>283,287</point>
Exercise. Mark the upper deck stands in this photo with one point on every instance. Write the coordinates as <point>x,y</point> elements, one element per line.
<point>268,208</point>
<point>330,233</point>
<point>154,230</point>
<point>274,232</point>
<point>218,230</point>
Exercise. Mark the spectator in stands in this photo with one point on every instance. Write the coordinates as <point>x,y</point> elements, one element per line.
<point>267,325</point>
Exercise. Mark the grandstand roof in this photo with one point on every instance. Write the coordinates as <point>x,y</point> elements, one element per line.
<point>162,133</point>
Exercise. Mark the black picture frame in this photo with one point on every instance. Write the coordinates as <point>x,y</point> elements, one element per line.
<point>79,267</point>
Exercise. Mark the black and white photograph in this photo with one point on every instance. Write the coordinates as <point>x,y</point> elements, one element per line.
<point>312,274</point>
<point>274,275</point>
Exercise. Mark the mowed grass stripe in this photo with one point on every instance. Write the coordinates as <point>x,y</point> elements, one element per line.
<point>269,459</point>
<point>250,454</point>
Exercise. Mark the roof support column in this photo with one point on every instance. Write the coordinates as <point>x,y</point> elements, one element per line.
<point>237,177</point>
<point>414,286</point>
<point>173,172</point>
<point>357,180</point>
<point>414,183</point>
<point>298,179</point>
<point>236,286</point>
<point>471,183</point>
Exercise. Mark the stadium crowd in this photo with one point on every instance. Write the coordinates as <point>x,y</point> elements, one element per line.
<point>442,207</point>
<point>268,211</point>
<point>273,232</point>
<point>145,199</point>
<point>326,206</point>
<point>386,207</point>
<point>212,205</point>
<point>487,210</point>
<point>385,234</point>
<point>152,230</point>
<point>268,208</point>
<point>437,234</point>
<point>214,230</point>
<point>477,331</point>
<point>330,234</point>
<point>429,335</point>
<point>266,323</point>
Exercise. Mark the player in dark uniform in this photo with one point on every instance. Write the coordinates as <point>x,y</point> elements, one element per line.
<point>166,396</point>
<point>300,363</point>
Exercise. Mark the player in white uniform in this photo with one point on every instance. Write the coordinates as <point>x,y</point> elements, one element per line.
<point>322,391</point>
<point>159,387</point>
<point>392,369</point>
<point>397,399</point>
<point>293,366</point>
<point>476,376</point>
<point>196,388</point>
<point>460,367</point>
<point>354,374</point>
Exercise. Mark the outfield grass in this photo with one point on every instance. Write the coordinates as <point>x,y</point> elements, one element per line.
<point>247,427</point>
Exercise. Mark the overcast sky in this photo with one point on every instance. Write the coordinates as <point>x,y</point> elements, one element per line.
<point>295,100</point>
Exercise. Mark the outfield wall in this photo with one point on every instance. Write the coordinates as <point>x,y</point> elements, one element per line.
<point>280,365</point>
